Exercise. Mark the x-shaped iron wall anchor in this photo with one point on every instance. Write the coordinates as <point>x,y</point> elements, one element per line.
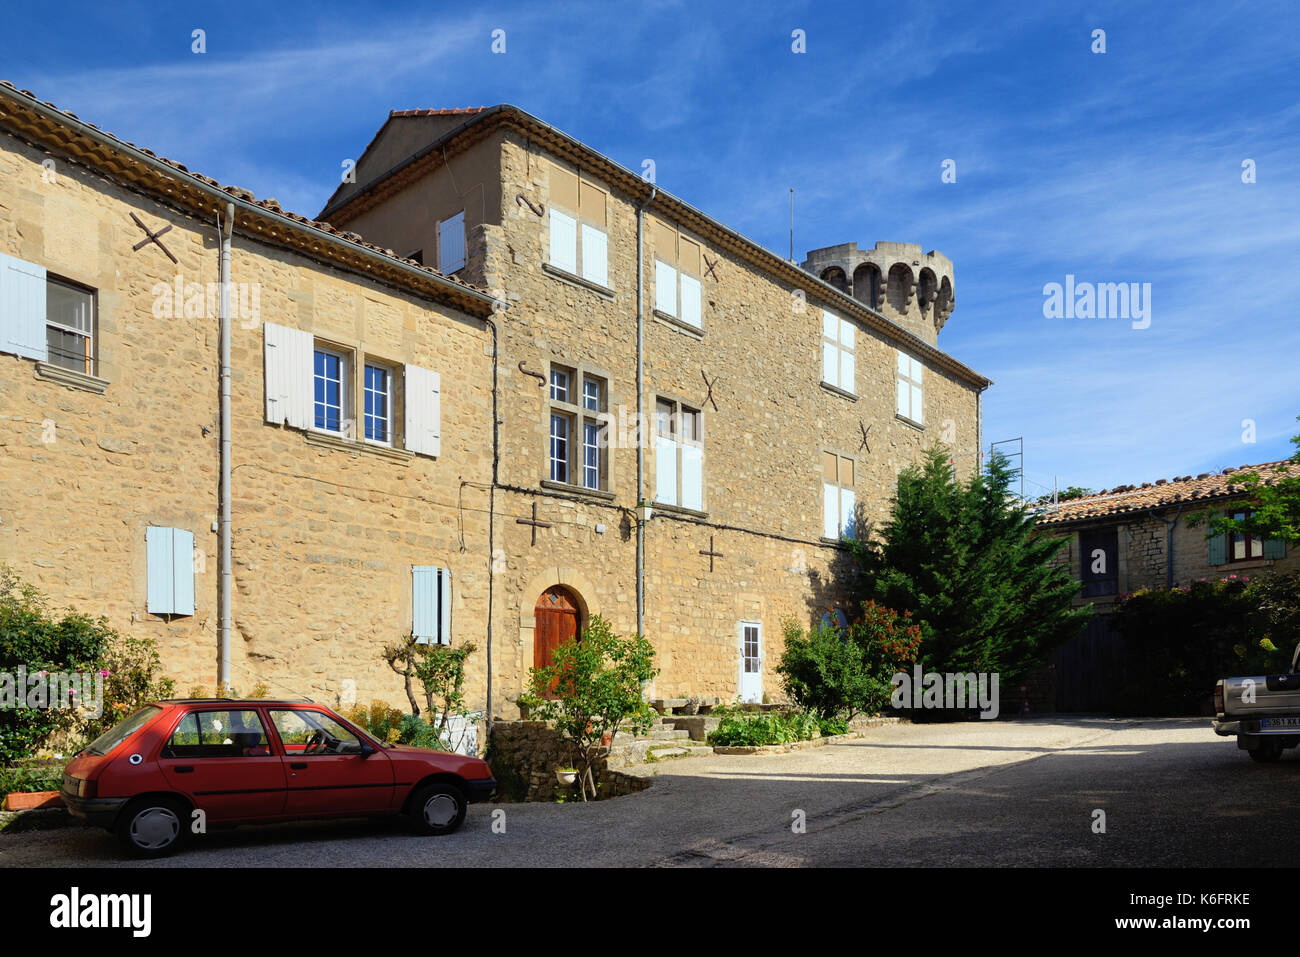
<point>708,268</point>
<point>152,237</point>
<point>709,398</point>
<point>864,429</point>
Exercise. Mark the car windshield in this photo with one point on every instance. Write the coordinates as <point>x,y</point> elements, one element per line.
<point>111,738</point>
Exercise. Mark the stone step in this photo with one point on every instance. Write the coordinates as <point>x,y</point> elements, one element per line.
<point>697,727</point>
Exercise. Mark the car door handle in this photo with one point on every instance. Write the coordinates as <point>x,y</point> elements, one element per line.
<point>184,769</point>
<point>298,765</point>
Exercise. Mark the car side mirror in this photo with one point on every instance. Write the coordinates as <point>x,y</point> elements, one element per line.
<point>367,750</point>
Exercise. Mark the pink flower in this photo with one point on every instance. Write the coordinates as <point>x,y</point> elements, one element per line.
<point>103,672</point>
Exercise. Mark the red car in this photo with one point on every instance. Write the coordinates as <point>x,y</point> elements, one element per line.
<point>176,766</point>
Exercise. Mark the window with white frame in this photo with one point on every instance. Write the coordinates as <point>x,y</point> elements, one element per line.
<point>578,438</point>
<point>451,244</point>
<point>70,325</point>
<point>378,399</point>
<point>46,318</point>
<point>837,496</point>
<point>679,455</point>
<point>578,218</point>
<point>837,352</point>
<point>331,387</point>
<point>909,388</point>
<point>678,273</point>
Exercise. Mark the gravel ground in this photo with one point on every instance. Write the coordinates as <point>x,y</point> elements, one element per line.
<point>1016,793</point>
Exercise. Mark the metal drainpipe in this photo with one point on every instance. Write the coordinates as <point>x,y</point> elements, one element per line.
<point>492,500</point>
<point>224,586</point>
<point>640,417</point>
<point>1170,524</point>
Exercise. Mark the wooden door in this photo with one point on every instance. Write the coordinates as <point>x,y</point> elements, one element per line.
<point>556,621</point>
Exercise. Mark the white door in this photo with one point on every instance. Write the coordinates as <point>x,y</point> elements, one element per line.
<point>751,661</point>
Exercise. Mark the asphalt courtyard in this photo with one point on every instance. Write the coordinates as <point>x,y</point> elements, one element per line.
<point>1005,793</point>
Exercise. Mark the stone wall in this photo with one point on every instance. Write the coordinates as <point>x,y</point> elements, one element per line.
<point>523,756</point>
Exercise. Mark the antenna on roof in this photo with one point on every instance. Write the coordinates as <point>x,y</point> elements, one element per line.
<point>791,224</point>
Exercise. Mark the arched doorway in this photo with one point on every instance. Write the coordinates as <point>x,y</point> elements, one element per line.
<point>557,618</point>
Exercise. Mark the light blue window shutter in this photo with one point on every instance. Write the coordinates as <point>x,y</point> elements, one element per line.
<point>692,477</point>
<point>665,470</point>
<point>1218,547</point>
<point>691,300</point>
<point>182,572</point>
<point>424,603</point>
<point>1275,548</point>
<point>22,308</point>
<point>160,568</point>
<point>444,606</point>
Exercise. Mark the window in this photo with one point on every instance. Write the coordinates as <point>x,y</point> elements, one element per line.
<point>378,404</point>
<point>679,455</point>
<point>169,568</point>
<point>837,496</point>
<point>837,352</point>
<point>578,446</point>
<point>305,733</point>
<point>677,275</point>
<point>909,388</point>
<point>451,244</point>
<point>69,326</point>
<point>431,604</point>
<point>579,241</point>
<point>330,390</point>
<point>218,734</point>
<point>1099,561</point>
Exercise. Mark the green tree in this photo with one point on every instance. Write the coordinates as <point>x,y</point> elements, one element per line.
<point>1063,495</point>
<point>1274,504</point>
<point>968,564</point>
<point>440,670</point>
<point>598,681</point>
<point>842,674</point>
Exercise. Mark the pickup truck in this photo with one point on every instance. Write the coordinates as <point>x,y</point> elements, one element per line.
<point>1263,712</point>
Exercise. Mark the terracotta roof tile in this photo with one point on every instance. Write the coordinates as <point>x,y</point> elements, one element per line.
<point>1184,489</point>
<point>456,111</point>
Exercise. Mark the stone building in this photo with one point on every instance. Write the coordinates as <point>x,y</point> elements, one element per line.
<point>513,385</point>
<point>1136,537</point>
<point>779,408</point>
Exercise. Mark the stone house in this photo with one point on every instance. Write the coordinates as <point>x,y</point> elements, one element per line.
<point>541,388</point>
<point>1133,537</point>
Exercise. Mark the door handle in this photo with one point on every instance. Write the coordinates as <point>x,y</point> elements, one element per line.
<point>184,769</point>
<point>298,765</point>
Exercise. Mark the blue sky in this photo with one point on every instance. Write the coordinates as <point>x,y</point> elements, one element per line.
<point>1124,166</point>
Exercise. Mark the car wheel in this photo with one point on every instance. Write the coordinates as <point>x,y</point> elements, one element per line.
<point>1267,752</point>
<point>154,827</point>
<point>438,808</point>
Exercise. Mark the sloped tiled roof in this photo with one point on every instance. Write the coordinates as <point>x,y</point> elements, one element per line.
<point>1163,493</point>
<point>21,113</point>
<point>453,111</point>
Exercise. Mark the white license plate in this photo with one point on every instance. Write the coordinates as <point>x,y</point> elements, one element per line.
<point>1279,724</point>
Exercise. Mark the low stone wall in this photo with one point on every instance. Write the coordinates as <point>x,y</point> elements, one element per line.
<point>523,756</point>
<point>857,729</point>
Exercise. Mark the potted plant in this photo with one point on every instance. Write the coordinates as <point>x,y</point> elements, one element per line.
<point>566,776</point>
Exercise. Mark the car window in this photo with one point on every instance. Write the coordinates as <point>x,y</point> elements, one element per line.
<point>313,732</point>
<point>218,734</point>
<point>115,735</point>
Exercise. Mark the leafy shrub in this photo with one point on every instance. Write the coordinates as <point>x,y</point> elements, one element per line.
<point>1179,641</point>
<point>382,721</point>
<point>27,778</point>
<point>131,669</point>
<point>841,674</point>
<point>756,728</point>
<point>830,727</point>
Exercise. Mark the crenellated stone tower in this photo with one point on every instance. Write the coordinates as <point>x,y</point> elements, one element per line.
<point>911,288</point>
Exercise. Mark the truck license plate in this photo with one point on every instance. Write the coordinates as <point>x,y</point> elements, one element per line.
<point>1279,724</point>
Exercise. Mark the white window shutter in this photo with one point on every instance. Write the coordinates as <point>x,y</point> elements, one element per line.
<point>846,511</point>
<point>830,363</point>
<point>665,470</point>
<point>665,288</point>
<point>444,606</point>
<point>693,477</point>
<point>423,411</point>
<point>564,241</point>
<point>903,401</point>
<point>595,255</point>
<point>916,405</point>
<point>904,363</point>
<point>451,243</point>
<point>424,603</point>
<point>288,369</point>
<point>690,300</point>
<point>848,372</point>
<point>183,572</point>
<point>22,308</point>
<point>830,510</point>
<point>846,334</point>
